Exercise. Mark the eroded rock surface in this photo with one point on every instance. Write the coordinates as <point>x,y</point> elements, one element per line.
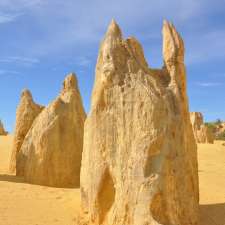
<point>26,113</point>
<point>202,133</point>
<point>139,164</point>
<point>51,152</point>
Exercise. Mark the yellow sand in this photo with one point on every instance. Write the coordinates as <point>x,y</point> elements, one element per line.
<point>211,159</point>
<point>25,204</point>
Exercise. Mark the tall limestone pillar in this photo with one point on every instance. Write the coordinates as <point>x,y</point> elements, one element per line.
<point>139,163</point>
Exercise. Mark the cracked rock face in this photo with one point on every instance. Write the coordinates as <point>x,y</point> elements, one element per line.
<point>202,133</point>
<point>139,163</point>
<point>51,152</point>
<point>26,113</point>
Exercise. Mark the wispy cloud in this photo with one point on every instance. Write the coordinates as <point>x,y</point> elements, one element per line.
<point>60,29</point>
<point>10,10</point>
<point>205,46</point>
<point>18,5</point>
<point>9,72</point>
<point>23,61</point>
<point>83,61</point>
<point>6,18</point>
<point>209,84</point>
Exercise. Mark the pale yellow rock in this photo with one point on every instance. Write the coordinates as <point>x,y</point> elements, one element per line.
<point>219,130</point>
<point>139,163</point>
<point>51,152</point>
<point>26,113</point>
<point>2,129</point>
<point>202,133</point>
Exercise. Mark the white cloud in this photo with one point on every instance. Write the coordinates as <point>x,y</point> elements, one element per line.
<point>205,46</point>
<point>18,5</point>
<point>10,72</point>
<point>82,61</point>
<point>10,10</point>
<point>68,24</point>
<point>6,18</point>
<point>208,84</point>
<point>24,61</point>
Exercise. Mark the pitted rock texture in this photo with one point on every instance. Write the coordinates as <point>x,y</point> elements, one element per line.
<point>202,133</point>
<point>2,129</point>
<point>139,164</point>
<point>26,113</point>
<point>51,152</point>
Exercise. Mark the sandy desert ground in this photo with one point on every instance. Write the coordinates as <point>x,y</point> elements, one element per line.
<point>25,204</point>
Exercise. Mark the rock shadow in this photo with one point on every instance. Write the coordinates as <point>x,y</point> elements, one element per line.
<point>212,214</point>
<point>11,178</point>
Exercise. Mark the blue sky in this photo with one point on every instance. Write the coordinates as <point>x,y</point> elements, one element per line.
<point>43,40</point>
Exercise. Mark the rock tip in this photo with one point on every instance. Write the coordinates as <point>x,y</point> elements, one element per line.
<point>70,81</point>
<point>173,46</point>
<point>114,29</point>
<point>26,93</point>
<point>166,22</point>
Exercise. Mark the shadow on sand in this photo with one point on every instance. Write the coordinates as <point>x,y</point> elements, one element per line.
<point>16,179</point>
<point>11,178</point>
<point>212,214</point>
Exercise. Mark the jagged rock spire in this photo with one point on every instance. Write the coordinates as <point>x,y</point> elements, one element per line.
<point>173,46</point>
<point>113,30</point>
<point>173,56</point>
<point>140,137</point>
<point>51,152</point>
<point>26,113</point>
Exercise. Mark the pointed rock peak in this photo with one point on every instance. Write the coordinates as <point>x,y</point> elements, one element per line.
<point>114,30</point>
<point>26,94</point>
<point>167,27</point>
<point>167,23</point>
<point>70,82</point>
<point>173,47</point>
